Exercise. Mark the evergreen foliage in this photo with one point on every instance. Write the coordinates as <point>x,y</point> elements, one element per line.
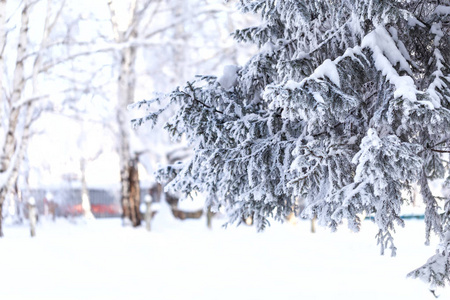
<point>346,106</point>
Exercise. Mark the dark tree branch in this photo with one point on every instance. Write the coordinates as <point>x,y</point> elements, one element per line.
<point>198,101</point>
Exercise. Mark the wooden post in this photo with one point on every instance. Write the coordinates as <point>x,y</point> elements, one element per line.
<point>32,215</point>
<point>313,225</point>
<point>85,200</point>
<point>148,211</point>
<point>51,206</point>
<point>209,216</point>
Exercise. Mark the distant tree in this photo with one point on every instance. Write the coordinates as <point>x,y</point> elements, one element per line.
<point>37,47</point>
<point>345,106</point>
<point>20,92</point>
<point>157,31</point>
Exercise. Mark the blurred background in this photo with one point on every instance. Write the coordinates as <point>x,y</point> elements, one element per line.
<point>68,71</point>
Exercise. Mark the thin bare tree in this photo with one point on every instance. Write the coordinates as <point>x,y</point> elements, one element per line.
<point>20,106</point>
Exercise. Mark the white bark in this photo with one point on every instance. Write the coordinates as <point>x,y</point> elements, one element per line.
<point>125,95</point>
<point>18,103</point>
<point>21,149</point>
<point>10,144</point>
<point>21,111</point>
<point>126,88</point>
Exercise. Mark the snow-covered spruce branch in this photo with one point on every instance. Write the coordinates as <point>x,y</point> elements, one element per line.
<point>196,100</point>
<point>346,131</point>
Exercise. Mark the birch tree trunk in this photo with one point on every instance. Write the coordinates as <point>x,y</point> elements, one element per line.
<point>19,132</point>
<point>126,85</point>
<point>11,144</point>
<point>22,113</point>
<point>21,150</point>
<point>18,85</point>
<point>27,108</point>
<point>125,93</point>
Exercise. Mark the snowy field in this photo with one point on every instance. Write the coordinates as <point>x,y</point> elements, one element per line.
<point>100,259</point>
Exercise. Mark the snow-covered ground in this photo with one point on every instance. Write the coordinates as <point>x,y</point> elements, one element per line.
<point>100,259</point>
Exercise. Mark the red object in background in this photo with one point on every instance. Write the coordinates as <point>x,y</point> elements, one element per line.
<point>74,210</point>
<point>106,209</point>
<point>97,209</point>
